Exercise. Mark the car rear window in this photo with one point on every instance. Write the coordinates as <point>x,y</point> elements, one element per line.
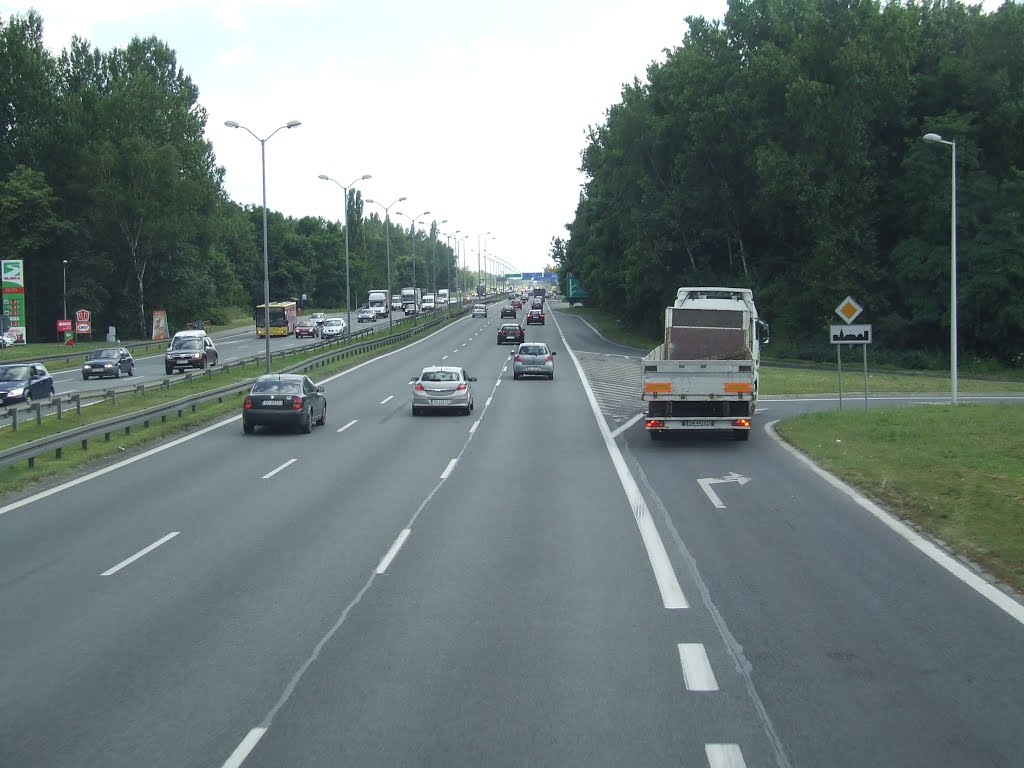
<point>440,376</point>
<point>272,387</point>
<point>533,349</point>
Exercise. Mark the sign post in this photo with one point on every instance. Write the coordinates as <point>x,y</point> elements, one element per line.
<point>64,333</point>
<point>849,310</point>
<point>14,298</point>
<point>83,322</point>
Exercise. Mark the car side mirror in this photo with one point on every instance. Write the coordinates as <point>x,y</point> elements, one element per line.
<point>413,379</point>
<point>320,388</point>
<point>512,353</point>
<point>553,353</point>
<point>472,378</point>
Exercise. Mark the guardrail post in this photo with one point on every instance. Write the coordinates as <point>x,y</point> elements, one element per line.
<point>140,389</point>
<point>188,377</point>
<point>14,419</point>
<point>38,408</point>
<point>85,444</point>
<point>77,398</point>
<point>31,462</point>
<point>113,396</point>
<point>60,453</point>
<point>106,437</point>
<point>60,408</point>
<point>128,429</point>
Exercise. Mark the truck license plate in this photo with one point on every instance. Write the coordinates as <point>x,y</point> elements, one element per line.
<point>697,422</point>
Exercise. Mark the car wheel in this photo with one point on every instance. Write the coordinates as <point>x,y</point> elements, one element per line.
<point>551,376</point>
<point>307,425</point>
<point>131,369</point>
<point>168,371</point>
<point>205,362</point>
<point>28,397</point>
<point>515,375</point>
<point>85,377</point>
<point>323,417</point>
<point>415,411</point>
<point>117,374</point>
<point>248,428</point>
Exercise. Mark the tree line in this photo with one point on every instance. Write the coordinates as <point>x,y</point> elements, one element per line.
<point>781,149</point>
<point>104,165</point>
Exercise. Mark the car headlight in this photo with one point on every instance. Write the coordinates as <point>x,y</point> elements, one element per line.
<point>16,392</point>
<point>168,358</point>
<point>196,355</point>
<point>108,365</point>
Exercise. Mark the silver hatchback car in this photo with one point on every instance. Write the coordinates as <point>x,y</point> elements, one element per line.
<point>442,387</point>
<point>533,360</point>
<point>479,310</point>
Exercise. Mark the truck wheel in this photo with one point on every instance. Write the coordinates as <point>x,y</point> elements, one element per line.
<point>741,434</point>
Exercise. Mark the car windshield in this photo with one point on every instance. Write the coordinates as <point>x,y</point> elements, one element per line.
<point>15,373</point>
<point>533,349</point>
<point>277,386</point>
<point>103,354</point>
<point>187,343</point>
<point>307,322</point>
<point>440,376</point>
<point>333,321</point>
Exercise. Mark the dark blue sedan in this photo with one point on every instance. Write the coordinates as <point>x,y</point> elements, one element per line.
<point>24,382</point>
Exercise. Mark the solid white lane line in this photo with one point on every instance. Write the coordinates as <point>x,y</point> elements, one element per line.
<point>389,397</point>
<point>445,357</point>
<point>619,430</point>
<point>342,429</point>
<point>664,575</point>
<point>242,750</point>
<point>488,401</point>
<point>475,425</point>
<point>386,561</point>
<point>697,672</point>
<point>497,384</point>
<point>994,595</point>
<point>283,466</point>
<point>724,756</point>
<point>140,553</point>
<point>448,469</point>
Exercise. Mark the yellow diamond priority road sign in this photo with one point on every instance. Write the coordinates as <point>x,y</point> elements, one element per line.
<point>849,310</point>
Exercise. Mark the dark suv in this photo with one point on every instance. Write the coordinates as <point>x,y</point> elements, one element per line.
<point>535,316</point>
<point>190,349</point>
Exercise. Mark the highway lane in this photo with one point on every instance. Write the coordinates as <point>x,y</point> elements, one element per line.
<point>863,650</point>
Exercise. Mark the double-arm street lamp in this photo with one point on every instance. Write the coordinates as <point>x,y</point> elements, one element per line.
<point>479,274</point>
<point>266,262</point>
<point>448,263</point>
<point>348,291</point>
<point>412,231</point>
<point>433,259</point>
<point>934,138</point>
<point>387,248</point>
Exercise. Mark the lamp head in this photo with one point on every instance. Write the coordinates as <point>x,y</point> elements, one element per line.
<point>401,199</point>
<point>374,202</point>
<point>292,124</point>
<point>231,124</point>
<point>325,177</point>
<point>365,176</point>
<point>932,137</point>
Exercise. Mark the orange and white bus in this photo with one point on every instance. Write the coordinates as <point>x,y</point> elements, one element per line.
<point>282,318</point>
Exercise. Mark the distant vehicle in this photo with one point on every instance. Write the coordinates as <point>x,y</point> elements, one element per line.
<point>286,399</point>
<point>535,317</point>
<point>112,361</point>
<point>533,360</point>
<point>411,300</point>
<point>396,303</point>
<point>540,293</point>
<point>283,316</point>
<point>442,386</point>
<point>24,382</point>
<point>517,304</point>
<point>379,300</point>
<point>443,297</point>
<point>536,303</point>
<point>307,327</point>
<point>479,310</point>
<point>428,305</point>
<point>511,332</point>
<point>705,375</point>
<point>508,312</point>
<point>319,317</point>
<point>333,328</point>
<point>190,349</point>
<point>367,315</point>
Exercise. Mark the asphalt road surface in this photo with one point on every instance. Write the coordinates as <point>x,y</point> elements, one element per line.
<point>534,584</point>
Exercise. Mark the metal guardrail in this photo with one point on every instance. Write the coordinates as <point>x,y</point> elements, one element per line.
<point>81,435</point>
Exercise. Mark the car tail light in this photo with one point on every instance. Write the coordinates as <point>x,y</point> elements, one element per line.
<point>248,403</point>
<point>541,315</point>
<point>419,387</point>
<point>460,388</point>
<point>519,358</point>
<point>296,403</point>
<point>547,359</point>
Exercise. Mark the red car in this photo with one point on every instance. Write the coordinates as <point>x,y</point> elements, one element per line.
<point>307,327</point>
<point>517,304</point>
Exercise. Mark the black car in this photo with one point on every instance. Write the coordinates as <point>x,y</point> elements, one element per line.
<point>190,349</point>
<point>511,332</point>
<point>24,382</point>
<point>535,316</point>
<point>508,312</point>
<point>112,361</point>
<point>284,399</point>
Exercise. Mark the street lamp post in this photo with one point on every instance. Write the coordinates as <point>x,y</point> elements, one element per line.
<point>448,264</point>
<point>266,261</point>
<point>934,138</point>
<point>479,274</point>
<point>412,231</point>
<point>65,315</point>
<point>433,260</point>
<point>348,285</point>
<point>387,248</point>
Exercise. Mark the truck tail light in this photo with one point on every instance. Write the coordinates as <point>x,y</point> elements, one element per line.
<point>655,424</point>
<point>742,423</point>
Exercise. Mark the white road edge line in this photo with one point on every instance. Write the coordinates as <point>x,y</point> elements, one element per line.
<point>665,576</point>
<point>724,756</point>
<point>488,401</point>
<point>386,560</point>
<point>242,750</point>
<point>389,397</point>
<point>275,471</point>
<point>342,429</point>
<point>697,672</point>
<point>475,425</point>
<point>622,428</point>
<point>994,595</point>
<point>448,469</point>
<point>140,553</point>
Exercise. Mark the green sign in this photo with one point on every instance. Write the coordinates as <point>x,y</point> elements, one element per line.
<point>516,276</point>
<point>13,271</point>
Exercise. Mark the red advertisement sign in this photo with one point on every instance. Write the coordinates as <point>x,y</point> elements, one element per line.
<point>63,325</point>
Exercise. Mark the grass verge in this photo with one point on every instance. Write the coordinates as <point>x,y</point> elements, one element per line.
<point>955,472</point>
<point>802,381</point>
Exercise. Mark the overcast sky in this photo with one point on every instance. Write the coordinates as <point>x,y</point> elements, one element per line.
<point>475,111</point>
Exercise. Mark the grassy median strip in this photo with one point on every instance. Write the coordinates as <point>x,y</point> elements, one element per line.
<point>956,472</point>
<point>803,381</point>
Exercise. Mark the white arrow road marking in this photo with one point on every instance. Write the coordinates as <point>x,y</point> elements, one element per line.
<point>705,484</point>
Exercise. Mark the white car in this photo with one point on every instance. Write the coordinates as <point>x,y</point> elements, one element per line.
<point>479,310</point>
<point>333,328</point>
